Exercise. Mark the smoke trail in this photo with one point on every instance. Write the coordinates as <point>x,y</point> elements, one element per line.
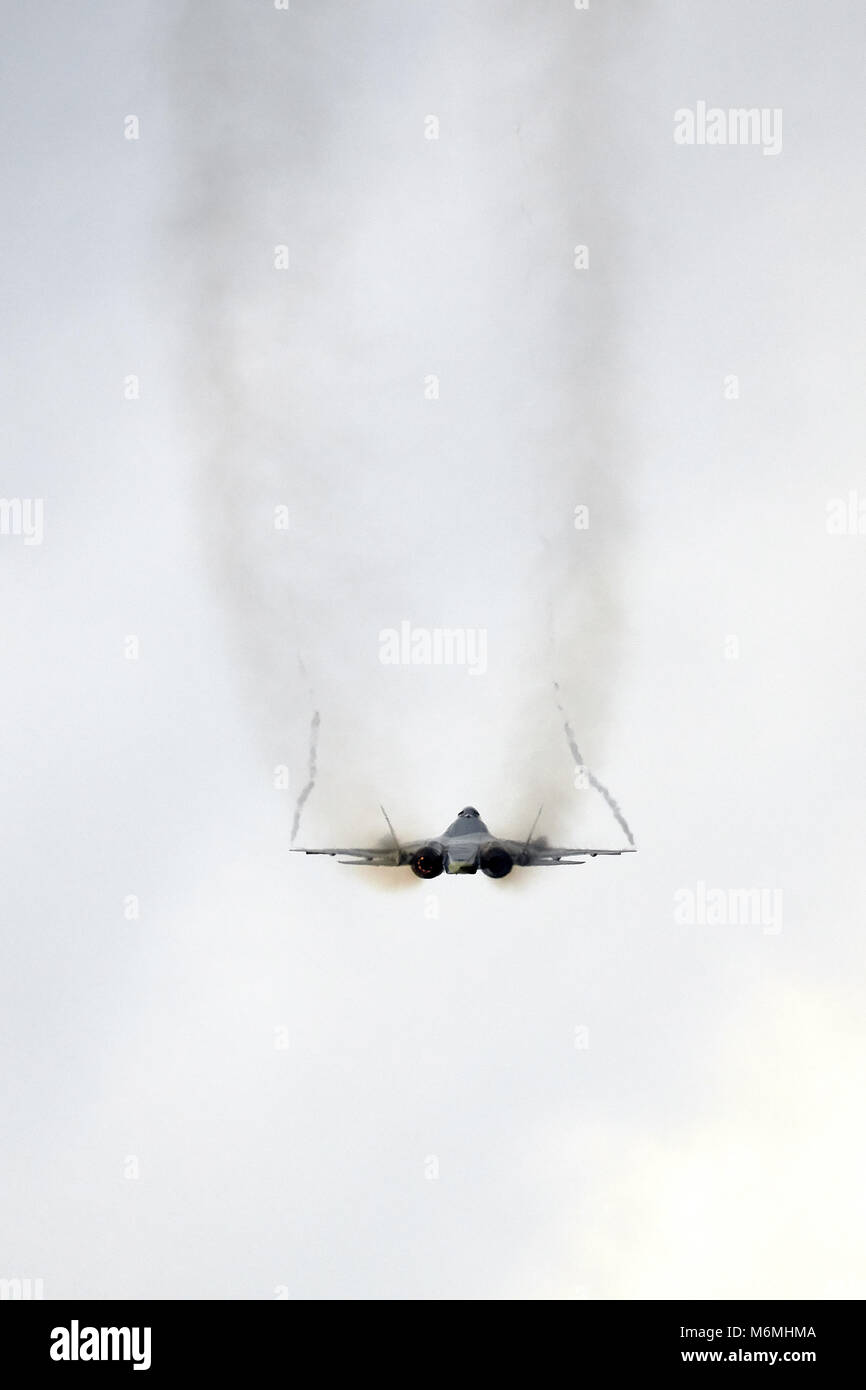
<point>316,320</point>
<point>593,781</point>
<point>299,806</point>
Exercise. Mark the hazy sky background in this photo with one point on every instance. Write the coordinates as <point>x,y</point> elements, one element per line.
<point>341,1083</point>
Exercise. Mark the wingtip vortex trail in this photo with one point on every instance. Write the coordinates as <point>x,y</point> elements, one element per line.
<point>311,775</point>
<point>598,786</point>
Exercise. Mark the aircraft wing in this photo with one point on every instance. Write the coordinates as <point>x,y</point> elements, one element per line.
<point>540,855</point>
<point>381,858</point>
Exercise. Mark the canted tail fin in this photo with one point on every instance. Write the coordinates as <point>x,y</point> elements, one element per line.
<point>532,830</point>
<point>397,848</point>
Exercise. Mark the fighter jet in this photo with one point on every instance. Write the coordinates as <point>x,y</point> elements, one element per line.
<point>464,848</point>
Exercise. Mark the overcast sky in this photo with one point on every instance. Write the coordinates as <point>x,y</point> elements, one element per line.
<point>334,272</point>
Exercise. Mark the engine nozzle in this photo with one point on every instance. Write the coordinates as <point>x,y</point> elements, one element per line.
<point>496,862</point>
<point>428,862</point>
